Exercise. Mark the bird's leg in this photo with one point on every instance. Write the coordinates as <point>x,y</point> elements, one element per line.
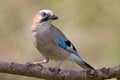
<point>57,67</point>
<point>42,61</point>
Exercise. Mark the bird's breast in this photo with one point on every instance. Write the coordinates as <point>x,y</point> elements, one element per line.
<point>46,44</point>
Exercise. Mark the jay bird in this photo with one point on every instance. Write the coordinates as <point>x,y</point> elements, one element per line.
<point>52,43</point>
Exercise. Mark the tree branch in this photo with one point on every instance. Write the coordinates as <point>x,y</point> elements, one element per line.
<point>39,71</point>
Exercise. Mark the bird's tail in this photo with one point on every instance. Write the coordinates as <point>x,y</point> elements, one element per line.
<point>84,65</point>
<point>76,58</point>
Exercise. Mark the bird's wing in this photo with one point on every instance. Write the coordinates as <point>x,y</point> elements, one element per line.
<point>67,45</point>
<point>62,41</point>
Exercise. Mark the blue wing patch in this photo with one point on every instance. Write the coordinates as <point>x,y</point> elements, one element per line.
<point>61,43</point>
<point>66,45</point>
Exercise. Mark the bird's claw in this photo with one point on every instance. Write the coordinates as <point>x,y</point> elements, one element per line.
<point>56,71</point>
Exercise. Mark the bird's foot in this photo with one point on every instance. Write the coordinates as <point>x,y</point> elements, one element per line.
<point>31,64</point>
<point>56,71</point>
<point>41,62</point>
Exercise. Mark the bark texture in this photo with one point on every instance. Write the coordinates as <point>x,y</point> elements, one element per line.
<point>39,71</point>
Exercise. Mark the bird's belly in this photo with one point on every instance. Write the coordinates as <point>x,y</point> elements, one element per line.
<point>48,48</point>
<point>52,52</point>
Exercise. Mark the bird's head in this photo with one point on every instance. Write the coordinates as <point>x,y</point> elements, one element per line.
<point>43,16</point>
<point>46,15</point>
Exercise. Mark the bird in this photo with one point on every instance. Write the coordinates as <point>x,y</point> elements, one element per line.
<point>51,41</point>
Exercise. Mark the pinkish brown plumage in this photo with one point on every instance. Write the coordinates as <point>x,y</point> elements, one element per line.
<point>51,42</point>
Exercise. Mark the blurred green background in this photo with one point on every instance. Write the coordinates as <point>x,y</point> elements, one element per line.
<point>92,25</point>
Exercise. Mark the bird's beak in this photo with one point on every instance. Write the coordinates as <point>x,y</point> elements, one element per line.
<point>54,17</point>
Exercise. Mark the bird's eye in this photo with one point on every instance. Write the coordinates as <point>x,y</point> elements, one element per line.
<point>43,14</point>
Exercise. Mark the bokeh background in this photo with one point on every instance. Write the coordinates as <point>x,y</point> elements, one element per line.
<point>92,25</point>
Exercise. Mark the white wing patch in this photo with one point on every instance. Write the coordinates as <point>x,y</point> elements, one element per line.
<point>70,47</point>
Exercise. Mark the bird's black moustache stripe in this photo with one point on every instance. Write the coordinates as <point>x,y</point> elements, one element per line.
<point>45,19</point>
